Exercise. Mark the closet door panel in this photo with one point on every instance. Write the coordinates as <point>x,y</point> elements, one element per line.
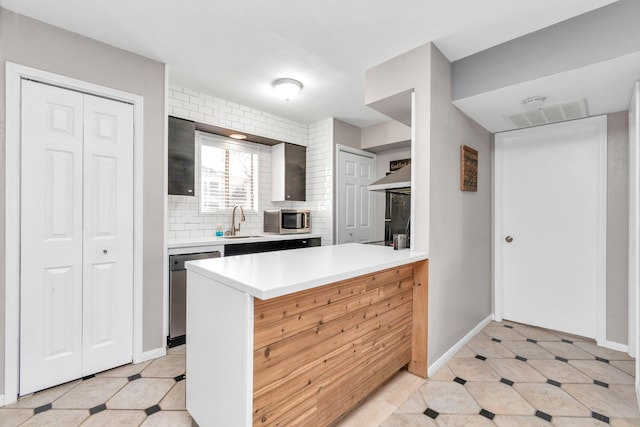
<point>51,236</point>
<point>108,234</point>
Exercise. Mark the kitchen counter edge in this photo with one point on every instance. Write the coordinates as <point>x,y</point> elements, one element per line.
<point>213,241</point>
<point>274,274</point>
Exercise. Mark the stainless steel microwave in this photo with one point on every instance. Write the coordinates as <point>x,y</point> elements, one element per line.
<point>287,221</point>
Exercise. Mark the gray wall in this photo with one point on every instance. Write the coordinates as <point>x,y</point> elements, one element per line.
<point>453,227</point>
<point>346,134</point>
<point>32,43</point>
<point>617,226</point>
<point>406,73</point>
<point>460,286</point>
<point>602,34</point>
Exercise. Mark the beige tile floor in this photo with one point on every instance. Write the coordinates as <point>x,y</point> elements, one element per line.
<point>507,375</point>
<point>147,394</point>
<point>511,375</point>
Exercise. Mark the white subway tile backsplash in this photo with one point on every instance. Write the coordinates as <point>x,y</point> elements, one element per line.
<point>195,116</point>
<point>196,100</point>
<point>180,96</point>
<point>190,91</point>
<point>185,211</point>
<point>205,110</point>
<point>183,234</point>
<point>178,112</point>
<point>175,102</point>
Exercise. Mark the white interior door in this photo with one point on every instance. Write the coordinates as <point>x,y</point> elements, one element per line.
<point>76,235</point>
<point>550,190</point>
<point>355,203</point>
<point>108,234</point>
<point>51,237</point>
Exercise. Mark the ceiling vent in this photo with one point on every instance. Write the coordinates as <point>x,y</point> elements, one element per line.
<point>550,114</point>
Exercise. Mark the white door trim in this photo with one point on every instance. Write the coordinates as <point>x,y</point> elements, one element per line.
<point>14,74</point>
<point>498,233</point>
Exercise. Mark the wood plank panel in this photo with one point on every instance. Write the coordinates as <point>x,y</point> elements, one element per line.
<point>292,325</point>
<point>285,357</point>
<point>418,365</point>
<point>290,305</point>
<point>318,353</point>
<point>279,399</point>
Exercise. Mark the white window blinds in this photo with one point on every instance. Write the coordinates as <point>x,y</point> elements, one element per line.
<point>228,174</point>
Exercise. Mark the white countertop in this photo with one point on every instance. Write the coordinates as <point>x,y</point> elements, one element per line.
<point>273,274</point>
<point>213,240</point>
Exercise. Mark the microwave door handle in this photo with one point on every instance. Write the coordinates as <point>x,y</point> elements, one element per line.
<point>304,220</point>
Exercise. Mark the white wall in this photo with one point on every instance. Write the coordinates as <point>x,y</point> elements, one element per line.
<point>184,217</point>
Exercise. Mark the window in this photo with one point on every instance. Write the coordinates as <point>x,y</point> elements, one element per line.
<point>228,174</point>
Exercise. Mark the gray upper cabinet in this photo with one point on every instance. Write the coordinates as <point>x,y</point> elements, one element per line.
<point>182,137</point>
<point>288,165</point>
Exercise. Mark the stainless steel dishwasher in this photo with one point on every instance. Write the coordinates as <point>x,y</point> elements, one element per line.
<point>178,294</point>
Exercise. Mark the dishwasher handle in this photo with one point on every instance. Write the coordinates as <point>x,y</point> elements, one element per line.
<point>176,262</point>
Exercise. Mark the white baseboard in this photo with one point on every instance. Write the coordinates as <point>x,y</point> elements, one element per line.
<point>453,350</point>
<point>152,354</point>
<point>616,346</point>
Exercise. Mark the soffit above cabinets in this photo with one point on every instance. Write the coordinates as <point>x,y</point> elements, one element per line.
<point>204,127</point>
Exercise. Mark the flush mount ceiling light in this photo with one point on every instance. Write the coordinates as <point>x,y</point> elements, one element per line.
<point>534,102</point>
<point>287,89</point>
<point>238,136</point>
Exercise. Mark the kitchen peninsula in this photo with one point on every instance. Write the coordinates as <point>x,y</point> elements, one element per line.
<point>300,337</point>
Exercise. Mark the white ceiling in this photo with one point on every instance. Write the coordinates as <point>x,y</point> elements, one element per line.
<point>234,49</point>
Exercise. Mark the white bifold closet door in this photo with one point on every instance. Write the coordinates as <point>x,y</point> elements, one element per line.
<point>76,260</point>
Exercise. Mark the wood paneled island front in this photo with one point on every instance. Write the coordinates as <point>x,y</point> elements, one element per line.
<point>300,337</point>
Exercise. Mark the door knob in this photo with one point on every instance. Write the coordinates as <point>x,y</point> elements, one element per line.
<point>508,239</point>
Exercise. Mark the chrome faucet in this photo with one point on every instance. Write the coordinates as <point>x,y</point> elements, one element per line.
<point>233,219</point>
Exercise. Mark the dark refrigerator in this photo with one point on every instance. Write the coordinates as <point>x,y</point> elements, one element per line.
<point>397,216</point>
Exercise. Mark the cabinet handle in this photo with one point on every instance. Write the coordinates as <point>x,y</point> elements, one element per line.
<point>104,251</point>
<point>508,239</point>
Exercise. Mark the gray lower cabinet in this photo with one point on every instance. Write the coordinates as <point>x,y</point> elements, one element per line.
<point>182,139</point>
<point>302,243</point>
<point>257,247</point>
